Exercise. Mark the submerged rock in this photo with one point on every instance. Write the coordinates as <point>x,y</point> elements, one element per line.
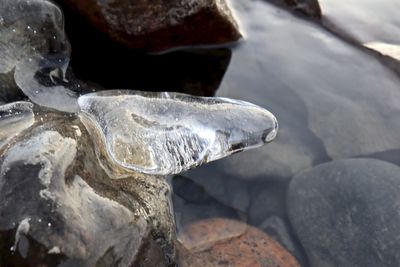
<point>192,203</point>
<point>308,7</point>
<point>345,213</point>
<point>160,25</point>
<point>374,24</point>
<point>324,112</point>
<point>167,133</point>
<point>223,242</point>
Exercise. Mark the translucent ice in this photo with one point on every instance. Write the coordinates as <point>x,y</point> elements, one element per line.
<point>35,50</point>
<point>167,133</point>
<point>14,118</point>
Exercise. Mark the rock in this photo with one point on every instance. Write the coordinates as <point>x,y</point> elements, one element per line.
<point>161,25</point>
<point>219,185</point>
<point>279,229</point>
<point>352,19</point>
<point>59,207</point>
<point>194,71</point>
<point>308,7</point>
<point>192,203</point>
<point>9,91</point>
<point>222,242</point>
<point>267,199</point>
<point>345,213</point>
<point>391,155</point>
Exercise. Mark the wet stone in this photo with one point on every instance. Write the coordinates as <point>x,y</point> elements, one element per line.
<point>223,242</point>
<point>161,25</point>
<point>278,228</point>
<point>192,203</point>
<point>374,24</point>
<point>307,7</point>
<point>345,213</point>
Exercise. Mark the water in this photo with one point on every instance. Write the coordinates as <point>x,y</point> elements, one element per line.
<point>371,23</point>
<point>333,101</point>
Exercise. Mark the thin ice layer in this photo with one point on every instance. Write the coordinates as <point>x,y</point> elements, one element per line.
<point>35,50</point>
<point>167,133</point>
<point>14,118</point>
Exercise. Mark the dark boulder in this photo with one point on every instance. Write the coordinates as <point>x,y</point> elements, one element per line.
<point>346,213</point>
<point>161,25</point>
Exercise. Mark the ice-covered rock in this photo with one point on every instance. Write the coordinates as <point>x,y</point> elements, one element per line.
<point>14,118</point>
<point>167,133</point>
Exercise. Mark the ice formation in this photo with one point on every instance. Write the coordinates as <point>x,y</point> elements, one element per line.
<point>167,133</point>
<point>14,118</point>
<point>35,50</point>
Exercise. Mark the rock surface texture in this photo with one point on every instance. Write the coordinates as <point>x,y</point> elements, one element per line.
<point>346,213</point>
<point>222,242</point>
<point>160,25</point>
<point>307,7</point>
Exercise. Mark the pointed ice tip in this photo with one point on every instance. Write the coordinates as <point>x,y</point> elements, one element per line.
<point>167,133</point>
<point>273,132</point>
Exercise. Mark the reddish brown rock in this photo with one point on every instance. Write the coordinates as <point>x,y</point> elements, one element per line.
<point>157,25</point>
<point>223,242</point>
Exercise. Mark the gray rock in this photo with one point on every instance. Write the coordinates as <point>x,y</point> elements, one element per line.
<point>308,7</point>
<point>346,213</point>
<point>278,228</point>
<point>221,186</point>
<point>267,199</point>
<point>352,19</point>
<point>192,203</point>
